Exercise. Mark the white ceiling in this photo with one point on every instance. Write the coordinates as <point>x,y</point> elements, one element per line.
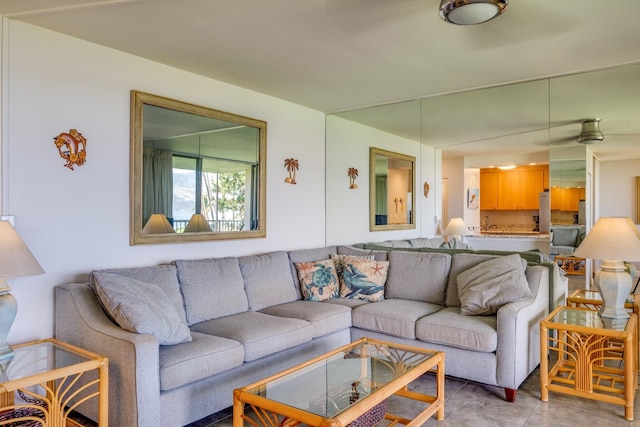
<point>335,55</point>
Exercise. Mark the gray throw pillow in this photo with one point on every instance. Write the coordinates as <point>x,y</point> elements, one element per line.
<point>140,307</point>
<point>485,288</point>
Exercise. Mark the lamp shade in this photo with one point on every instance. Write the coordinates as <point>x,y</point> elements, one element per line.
<point>611,238</point>
<point>157,224</point>
<point>456,227</point>
<point>197,224</point>
<point>16,260</point>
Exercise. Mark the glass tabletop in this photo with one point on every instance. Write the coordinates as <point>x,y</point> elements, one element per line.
<point>589,318</point>
<point>332,384</point>
<point>38,358</point>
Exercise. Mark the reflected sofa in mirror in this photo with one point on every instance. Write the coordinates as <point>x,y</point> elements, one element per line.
<point>200,171</point>
<point>391,196</point>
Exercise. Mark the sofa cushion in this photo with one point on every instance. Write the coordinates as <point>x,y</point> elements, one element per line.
<point>418,276</point>
<point>360,277</point>
<point>203,357</point>
<point>267,279</point>
<point>318,280</point>
<point>350,250</point>
<point>164,276</point>
<point>211,288</point>
<point>459,263</point>
<point>565,236</point>
<point>395,317</point>
<point>307,255</point>
<point>325,318</point>
<point>425,242</point>
<point>140,307</point>
<point>485,288</point>
<point>449,327</point>
<point>347,302</point>
<point>260,334</point>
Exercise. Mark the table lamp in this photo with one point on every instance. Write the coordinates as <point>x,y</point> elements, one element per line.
<point>612,240</point>
<point>197,224</point>
<point>16,260</point>
<point>157,224</point>
<point>457,229</point>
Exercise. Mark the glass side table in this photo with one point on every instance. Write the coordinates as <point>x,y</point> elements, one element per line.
<point>51,379</point>
<point>594,357</point>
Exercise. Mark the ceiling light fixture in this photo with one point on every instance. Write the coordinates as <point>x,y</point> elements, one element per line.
<point>470,12</point>
<point>507,167</point>
<point>590,133</point>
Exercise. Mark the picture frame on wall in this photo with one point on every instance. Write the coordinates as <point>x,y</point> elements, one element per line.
<point>473,198</point>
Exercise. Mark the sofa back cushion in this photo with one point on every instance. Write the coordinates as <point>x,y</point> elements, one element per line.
<point>460,263</point>
<point>212,288</point>
<point>565,236</point>
<point>163,276</point>
<point>418,276</point>
<point>307,255</point>
<point>352,250</point>
<point>268,280</point>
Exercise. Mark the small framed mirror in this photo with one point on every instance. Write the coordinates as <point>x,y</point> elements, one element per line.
<point>391,190</point>
<point>197,173</point>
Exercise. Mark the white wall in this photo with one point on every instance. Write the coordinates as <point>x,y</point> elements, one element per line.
<point>76,221</point>
<point>618,188</point>
<point>348,146</point>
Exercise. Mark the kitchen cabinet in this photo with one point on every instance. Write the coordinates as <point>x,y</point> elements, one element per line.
<point>566,199</point>
<point>488,191</point>
<point>520,189</point>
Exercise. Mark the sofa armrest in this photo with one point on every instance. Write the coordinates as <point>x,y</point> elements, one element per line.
<point>518,350</point>
<point>134,385</point>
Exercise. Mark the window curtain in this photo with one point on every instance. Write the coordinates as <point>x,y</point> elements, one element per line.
<point>381,195</point>
<point>157,183</point>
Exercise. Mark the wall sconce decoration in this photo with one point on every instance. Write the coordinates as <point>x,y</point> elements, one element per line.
<point>426,189</point>
<point>353,174</point>
<point>401,200</point>
<point>72,147</point>
<point>395,201</point>
<point>292,166</point>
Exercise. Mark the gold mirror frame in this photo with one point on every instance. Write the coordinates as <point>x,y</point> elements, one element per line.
<point>399,203</point>
<point>138,100</point>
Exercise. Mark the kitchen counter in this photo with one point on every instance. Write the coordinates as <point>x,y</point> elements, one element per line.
<point>510,241</point>
<point>513,234</point>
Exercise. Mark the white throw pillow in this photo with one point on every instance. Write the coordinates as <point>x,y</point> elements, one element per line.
<point>140,307</point>
<point>485,288</point>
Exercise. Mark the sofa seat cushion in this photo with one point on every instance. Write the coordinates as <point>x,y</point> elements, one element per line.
<point>325,318</point>
<point>395,317</point>
<point>203,357</point>
<point>212,288</point>
<point>260,334</point>
<point>347,302</point>
<point>449,327</point>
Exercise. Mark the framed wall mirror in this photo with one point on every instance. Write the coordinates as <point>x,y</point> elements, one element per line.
<point>392,180</point>
<point>197,173</point>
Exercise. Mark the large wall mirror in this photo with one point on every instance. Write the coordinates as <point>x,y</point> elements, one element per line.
<point>391,190</point>
<point>196,173</point>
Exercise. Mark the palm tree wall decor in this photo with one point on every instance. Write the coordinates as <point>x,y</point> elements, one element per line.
<point>353,174</point>
<point>292,166</point>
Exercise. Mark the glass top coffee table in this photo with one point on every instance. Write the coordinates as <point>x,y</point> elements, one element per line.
<point>349,385</point>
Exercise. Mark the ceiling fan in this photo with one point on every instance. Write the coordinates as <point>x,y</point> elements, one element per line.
<point>589,133</point>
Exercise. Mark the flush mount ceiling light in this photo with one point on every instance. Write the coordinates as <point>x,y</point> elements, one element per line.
<point>590,133</point>
<point>470,12</point>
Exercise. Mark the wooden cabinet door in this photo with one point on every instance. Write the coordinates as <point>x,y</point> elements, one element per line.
<point>545,179</point>
<point>572,196</point>
<point>509,190</point>
<point>556,198</point>
<point>531,185</point>
<point>489,191</point>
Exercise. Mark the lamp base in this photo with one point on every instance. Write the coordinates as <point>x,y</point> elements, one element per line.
<point>614,287</point>
<point>8,310</point>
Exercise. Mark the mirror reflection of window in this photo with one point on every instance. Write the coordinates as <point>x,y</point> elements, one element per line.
<point>200,168</point>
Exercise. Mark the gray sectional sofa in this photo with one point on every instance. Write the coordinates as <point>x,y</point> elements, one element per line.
<point>246,319</point>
